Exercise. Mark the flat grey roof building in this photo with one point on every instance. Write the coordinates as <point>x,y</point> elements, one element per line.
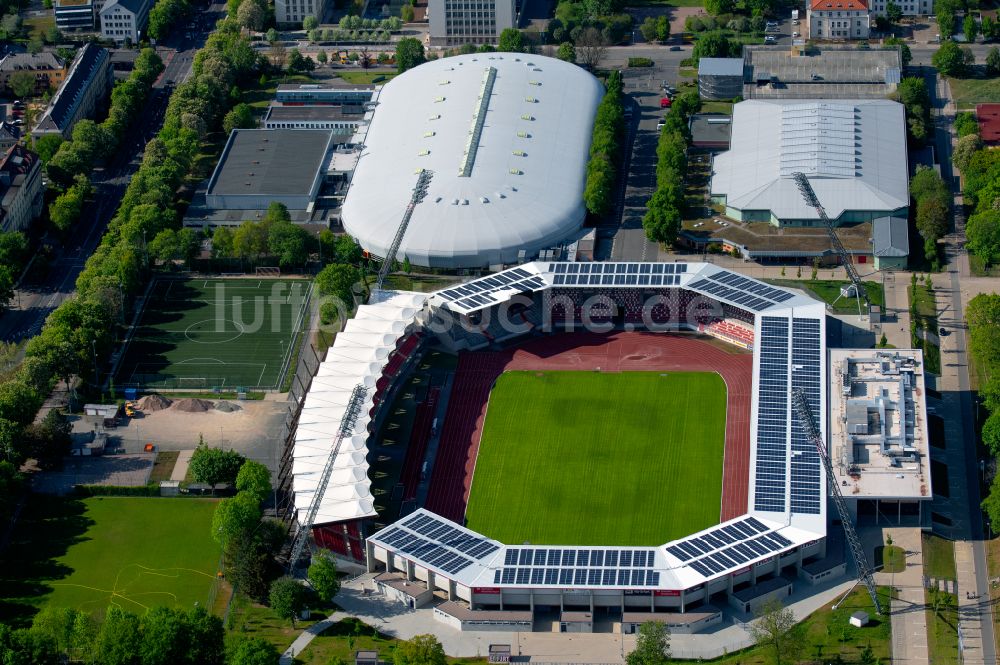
<point>259,166</point>
<point>820,73</point>
<point>720,67</point>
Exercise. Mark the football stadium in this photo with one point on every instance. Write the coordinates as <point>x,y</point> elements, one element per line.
<point>611,440</point>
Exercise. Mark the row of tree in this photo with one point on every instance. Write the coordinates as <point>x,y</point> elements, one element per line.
<point>912,94</point>
<point>715,45</point>
<point>606,149</point>
<point>933,204</point>
<point>662,220</point>
<point>573,18</point>
<point>980,169</point>
<point>350,22</point>
<point>982,315</point>
<point>14,255</point>
<point>160,636</point>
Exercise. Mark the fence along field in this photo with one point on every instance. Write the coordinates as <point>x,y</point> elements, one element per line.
<point>215,333</point>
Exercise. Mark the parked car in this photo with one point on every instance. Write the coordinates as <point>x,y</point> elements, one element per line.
<point>676,48</point>
<point>665,102</point>
<point>660,123</point>
<point>770,40</point>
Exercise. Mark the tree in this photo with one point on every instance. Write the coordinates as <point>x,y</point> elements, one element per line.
<point>248,559</point>
<point>965,122</point>
<point>993,62</point>
<point>420,650</point>
<point>662,28</point>
<point>945,15</point>
<point>511,41</point>
<point>119,639</point>
<point>893,12</point>
<point>165,636</point>
<point>239,117</point>
<point>566,52</point>
<point>22,82</point>
<point>214,465</point>
<point>409,54</point>
<point>321,57</point>
<point>255,479</point>
<point>252,651</point>
<point>648,29</point>
<point>991,504</point>
<point>271,35</point>
<point>222,242</point>
<point>48,441</point>
<point>338,280</point>
<point>287,598</point>
<point>991,433</point>
<point>47,145</point>
<point>591,46</point>
<point>970,28</point>
<point>289,243</point>
<point>774,629</point>
<point>235,516</point>
<point>717,7</point>
<point>983,234</point>
<point>406,13</point>
<point>932,219</point>
<point>310,23</point>
<point>965,148</point>
<point>323,575</point>
<point>277,212</point>
<point>714,45</point>
<point>652,646</point>
<point>250,15</point>
<point>950,59</point>
<point>66,209</point>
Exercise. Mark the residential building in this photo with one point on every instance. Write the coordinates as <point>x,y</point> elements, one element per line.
<point>827,72</point>
<point>48,69</point>
<point>9,135</point>
<point>720,78</point>
<point>293,12</point>
<point>86,87</point>
<point>852,151</point>
<point>455,22</point>
<point>909,7</point>
<point>837,19</point>
<point>74,15</point>
<point>20,188</point>
<point>125,20</point>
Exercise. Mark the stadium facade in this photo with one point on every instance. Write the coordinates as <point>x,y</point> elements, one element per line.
<point>490,585</point>
<point>506,136</point>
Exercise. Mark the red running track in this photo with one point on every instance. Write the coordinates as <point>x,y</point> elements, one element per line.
<point>619,351</point>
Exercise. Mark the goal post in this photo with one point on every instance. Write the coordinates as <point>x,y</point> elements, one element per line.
<point>267,271</point>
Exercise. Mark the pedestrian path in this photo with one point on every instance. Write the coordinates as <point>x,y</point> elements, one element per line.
<point>970,601</point>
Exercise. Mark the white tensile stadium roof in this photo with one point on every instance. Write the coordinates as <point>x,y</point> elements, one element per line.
<point>506,136</point>
<point>853,152</point>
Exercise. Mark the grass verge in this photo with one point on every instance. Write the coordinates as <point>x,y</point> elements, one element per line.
<point>893,558</point>
<point>942,627</point>
<point>163,466</point>
<point>939,557</point>
<point>828,290</point>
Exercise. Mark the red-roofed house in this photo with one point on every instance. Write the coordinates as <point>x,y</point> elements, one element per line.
<point>837,19</point>
<point>988,116</point>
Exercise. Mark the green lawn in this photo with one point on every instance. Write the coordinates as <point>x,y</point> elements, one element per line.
<point>631,458</point>
<point>214,333</point>
<point>942,627</point>
<point>969,92</point>
<point>893,558</point>
<point>87,554</point>
<point>365,77</point>
<point>939,557</point>
<point>37,26</point>
<point>828,290</point>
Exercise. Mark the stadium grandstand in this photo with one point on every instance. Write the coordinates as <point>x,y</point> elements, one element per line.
<point>506,136</point>
<point>777,527</point>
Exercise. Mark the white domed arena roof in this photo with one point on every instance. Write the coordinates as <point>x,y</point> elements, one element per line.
<point>508,168</point>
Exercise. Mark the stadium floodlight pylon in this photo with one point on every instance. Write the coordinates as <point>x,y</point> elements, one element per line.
<point>865,572</point>
<point>805,188</point>
<point>419,192</point>
<point>345,431</point>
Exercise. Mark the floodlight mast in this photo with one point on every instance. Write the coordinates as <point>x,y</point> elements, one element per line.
<point>345,431</point>
<point>805,188</point>
<point>865,572</point>
<point>419,192</point>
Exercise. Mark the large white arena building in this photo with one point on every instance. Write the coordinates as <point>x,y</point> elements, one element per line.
<point>506,136</point>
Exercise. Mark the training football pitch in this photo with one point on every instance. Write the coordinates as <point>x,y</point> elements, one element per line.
<point>215,333</point>
<point>135,553</point>
<point>591,458</point>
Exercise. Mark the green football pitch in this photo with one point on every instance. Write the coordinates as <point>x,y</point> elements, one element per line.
<point>590,458</point>
<point>215,333</point>
<point>132,552</point>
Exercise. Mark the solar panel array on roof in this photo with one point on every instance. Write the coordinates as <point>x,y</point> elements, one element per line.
<point>716,539</point>
<point>579,567</point>
<point>772,416</point>
<point>740,554</point>
<point>484,292</point>
<point>745,292</point>
<point>805,494</point>
<point>617,274</point>
<point>434,543</point>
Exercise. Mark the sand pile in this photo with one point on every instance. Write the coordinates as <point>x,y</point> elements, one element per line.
<point>227,407</point>
<point>194,405</point>
<point>153,403</point>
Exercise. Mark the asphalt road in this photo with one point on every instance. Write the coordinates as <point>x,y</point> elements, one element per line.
<point>34,302</point>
